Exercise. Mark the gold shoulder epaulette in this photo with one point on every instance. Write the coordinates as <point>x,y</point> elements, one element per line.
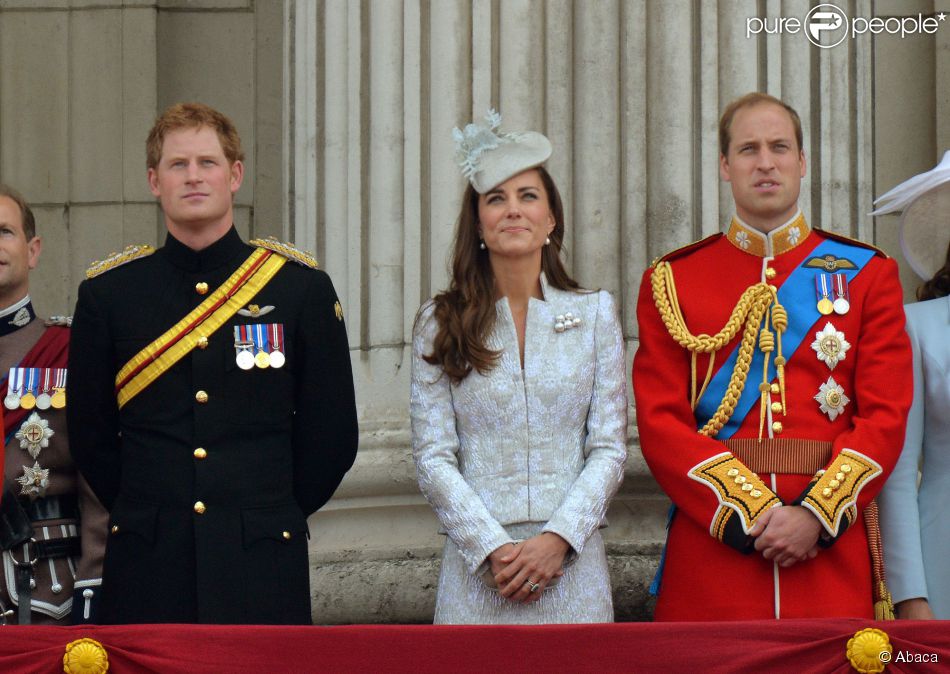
<point>287,250</point>
<point>854,242</point>
<point>114,260</point>
<point>689,247</point>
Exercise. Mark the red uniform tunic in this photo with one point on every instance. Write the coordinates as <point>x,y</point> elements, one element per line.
<point>705,576</point>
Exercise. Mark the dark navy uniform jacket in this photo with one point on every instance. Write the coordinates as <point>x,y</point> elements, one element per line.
<point>209,500</point>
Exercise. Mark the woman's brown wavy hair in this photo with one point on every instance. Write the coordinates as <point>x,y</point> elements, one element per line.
<point>466,311</point>
<point>939,285</point>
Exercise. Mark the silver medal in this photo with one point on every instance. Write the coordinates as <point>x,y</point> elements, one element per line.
<point>244,350</point>
<point>12,401</point>
<point>275,334</point>
<point>44,399</point>
<point>245,359</point>
<point>841,303</point>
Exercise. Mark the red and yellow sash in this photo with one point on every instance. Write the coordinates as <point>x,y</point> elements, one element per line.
<point>155,359</point>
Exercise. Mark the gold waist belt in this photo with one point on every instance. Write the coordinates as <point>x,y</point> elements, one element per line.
<point>781,455</point>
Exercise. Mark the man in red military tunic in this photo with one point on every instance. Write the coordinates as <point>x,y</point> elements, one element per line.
<point>772,383</point>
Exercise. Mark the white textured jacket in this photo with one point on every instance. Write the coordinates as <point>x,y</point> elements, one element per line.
<point>546,444</point>
<point>914,524</point>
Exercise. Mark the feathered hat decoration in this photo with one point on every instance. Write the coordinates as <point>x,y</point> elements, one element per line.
<point>488,158</point>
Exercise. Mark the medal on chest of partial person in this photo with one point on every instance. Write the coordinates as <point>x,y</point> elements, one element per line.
<point>35,389</point>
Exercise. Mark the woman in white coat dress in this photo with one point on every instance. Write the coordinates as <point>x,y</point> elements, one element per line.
<point>518,402</point>
<point>914,522</point>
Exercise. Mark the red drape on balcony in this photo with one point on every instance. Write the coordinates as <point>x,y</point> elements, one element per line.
<point>799,646</point>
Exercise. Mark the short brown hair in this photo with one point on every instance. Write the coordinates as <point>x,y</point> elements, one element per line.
<point>192,116</point>
<point>29,223</point>
<point>747,101</point>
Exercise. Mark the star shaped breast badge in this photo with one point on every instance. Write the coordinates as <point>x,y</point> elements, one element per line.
<point>34,481</point>
<point>34,434</point>
<point>830,345</point>
<point>831,398</point>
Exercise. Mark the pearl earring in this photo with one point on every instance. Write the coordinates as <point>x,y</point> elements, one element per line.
<point>481,245</point>
<point>547,241</point>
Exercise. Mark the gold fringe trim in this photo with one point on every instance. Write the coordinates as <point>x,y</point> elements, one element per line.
<point>114,260</point>
<point>287,250</point>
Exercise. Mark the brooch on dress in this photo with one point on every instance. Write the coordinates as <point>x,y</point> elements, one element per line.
<point>564,322</point>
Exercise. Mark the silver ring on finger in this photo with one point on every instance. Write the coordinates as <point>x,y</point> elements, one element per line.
<point>534,587</point>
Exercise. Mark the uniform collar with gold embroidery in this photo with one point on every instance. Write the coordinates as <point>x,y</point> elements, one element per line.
<point>778,241</point>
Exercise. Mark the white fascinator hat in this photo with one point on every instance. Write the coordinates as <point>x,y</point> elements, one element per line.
<point>924,203</point>
<point>488,158</point>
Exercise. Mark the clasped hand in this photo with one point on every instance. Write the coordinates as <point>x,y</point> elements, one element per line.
<point>787,535</point>
<point>517,567</point>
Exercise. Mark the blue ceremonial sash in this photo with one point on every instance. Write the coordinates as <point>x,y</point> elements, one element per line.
<point>797,295</point>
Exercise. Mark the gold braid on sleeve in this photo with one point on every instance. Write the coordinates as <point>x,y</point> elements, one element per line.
<point>758,306</point>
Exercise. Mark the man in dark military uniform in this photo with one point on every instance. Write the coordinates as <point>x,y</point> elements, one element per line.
<point>213,405</point>
<point>58,571</point>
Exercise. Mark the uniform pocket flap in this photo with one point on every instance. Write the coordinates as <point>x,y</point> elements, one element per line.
<point>279,523</point>
<point>133,518</point>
